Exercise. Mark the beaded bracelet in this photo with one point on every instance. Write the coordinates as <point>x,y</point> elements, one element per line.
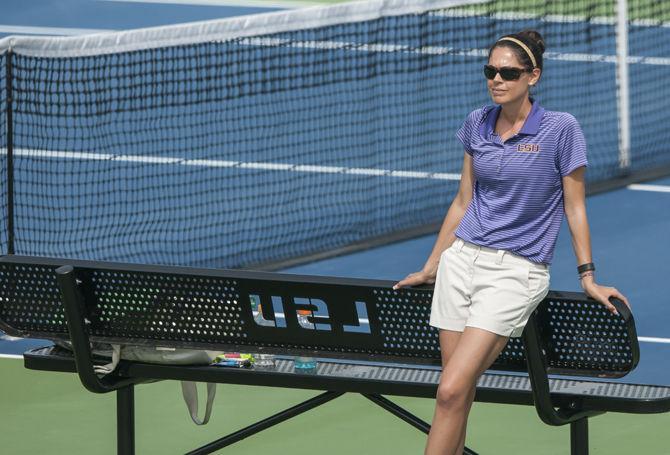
<point>585,274</point>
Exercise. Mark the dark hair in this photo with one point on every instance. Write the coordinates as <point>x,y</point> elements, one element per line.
<point>530,38</point>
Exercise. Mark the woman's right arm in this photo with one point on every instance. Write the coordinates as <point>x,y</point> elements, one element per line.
<point>446,235</point>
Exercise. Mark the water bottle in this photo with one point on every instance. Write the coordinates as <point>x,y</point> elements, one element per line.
<point>304,364</point>
<point>262,361</point>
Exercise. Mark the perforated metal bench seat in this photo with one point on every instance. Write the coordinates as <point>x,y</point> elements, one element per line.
<point>420,382</point>
<point>350,318</point>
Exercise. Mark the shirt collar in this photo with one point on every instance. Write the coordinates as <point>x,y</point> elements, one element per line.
<point>530,126</point>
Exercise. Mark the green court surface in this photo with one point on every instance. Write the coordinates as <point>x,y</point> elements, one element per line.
<point>51,413</point>
<point>638,9</point>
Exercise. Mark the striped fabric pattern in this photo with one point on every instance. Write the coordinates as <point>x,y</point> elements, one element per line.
<point>517,202</point>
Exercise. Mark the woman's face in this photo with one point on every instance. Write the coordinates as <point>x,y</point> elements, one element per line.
<point>502,91</point>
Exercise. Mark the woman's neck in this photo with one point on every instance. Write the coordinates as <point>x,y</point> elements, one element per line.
<point>516,111</point>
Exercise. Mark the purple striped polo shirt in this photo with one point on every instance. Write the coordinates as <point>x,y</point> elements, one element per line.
<point>517,201</point>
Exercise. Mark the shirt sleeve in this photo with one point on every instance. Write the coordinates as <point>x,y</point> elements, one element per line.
<point>571,152</point>
<point>465,132</point>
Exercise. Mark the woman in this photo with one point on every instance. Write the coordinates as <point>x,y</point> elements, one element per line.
<point>523,168</point>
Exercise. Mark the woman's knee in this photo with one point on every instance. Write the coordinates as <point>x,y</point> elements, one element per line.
<point>452,394</point>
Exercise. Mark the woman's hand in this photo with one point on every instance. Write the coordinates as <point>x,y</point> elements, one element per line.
<point>416,278</point>
<point>603,293</point>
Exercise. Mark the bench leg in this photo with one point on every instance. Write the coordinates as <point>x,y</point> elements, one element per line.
<point>397,411</point>
<point>125,421</point>
<point>405,415</point>
<point>579,437</point>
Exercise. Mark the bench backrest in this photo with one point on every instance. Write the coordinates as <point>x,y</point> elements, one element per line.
<point>351,318</point>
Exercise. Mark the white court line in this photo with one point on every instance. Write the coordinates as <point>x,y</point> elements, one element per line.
<point>440,50</point>
<point>242,3</point>
<point>10,356</point>
<point>560,18</point>
<point>654,340</point>
<point>60,31</point>
<point>656,188</point>
<point>286,167</point>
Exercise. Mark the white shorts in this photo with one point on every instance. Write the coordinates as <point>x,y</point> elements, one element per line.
<point>486,288</point>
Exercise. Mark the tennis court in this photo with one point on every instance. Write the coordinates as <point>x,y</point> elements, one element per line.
<point>175,189</point>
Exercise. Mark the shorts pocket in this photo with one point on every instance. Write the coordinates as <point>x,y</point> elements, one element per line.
<point>538,284</point>
<point>538,287</point>
<point>450,248</point>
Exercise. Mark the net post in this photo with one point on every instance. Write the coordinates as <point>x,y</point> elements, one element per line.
<point>10,153</point>
<point>623,85</point>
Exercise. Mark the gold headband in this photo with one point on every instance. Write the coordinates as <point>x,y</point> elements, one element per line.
<point>525,48</point>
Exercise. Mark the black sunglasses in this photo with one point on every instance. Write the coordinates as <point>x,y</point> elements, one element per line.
<point>506,72</point>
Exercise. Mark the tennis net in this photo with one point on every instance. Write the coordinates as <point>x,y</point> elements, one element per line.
<point>254,140</point>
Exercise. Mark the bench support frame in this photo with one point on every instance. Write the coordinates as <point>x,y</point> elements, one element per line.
<point>75,309</point>
<point>126,420</point>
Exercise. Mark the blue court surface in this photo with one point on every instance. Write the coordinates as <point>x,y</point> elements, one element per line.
<point>628,226</point>
<point>105,15</point>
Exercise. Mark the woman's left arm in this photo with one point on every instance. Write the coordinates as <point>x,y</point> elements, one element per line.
<point>574,199</point>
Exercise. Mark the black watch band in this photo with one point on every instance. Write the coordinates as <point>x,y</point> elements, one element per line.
<point>586,267</point>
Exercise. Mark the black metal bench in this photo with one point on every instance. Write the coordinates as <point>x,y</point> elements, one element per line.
<point>352,320</point>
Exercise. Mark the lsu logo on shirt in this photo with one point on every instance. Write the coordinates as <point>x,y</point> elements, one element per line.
<point>528,148</point>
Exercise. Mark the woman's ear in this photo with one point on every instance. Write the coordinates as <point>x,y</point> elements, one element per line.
<point>535,76</point>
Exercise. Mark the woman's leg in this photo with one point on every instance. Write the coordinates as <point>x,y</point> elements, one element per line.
<point>471,397</point>
<point>474,352</point>
<point>448,342</point>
